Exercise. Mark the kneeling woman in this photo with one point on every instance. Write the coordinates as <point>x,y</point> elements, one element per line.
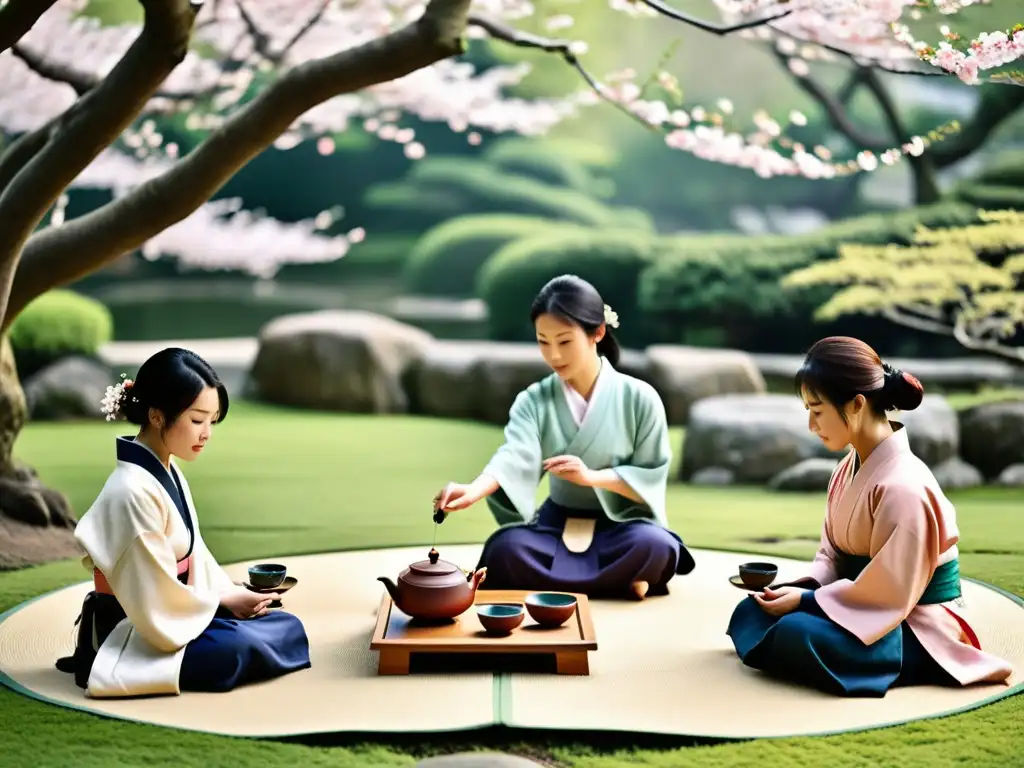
<point>878,608</point>
<point>164,617</point>
<point>603,438</point>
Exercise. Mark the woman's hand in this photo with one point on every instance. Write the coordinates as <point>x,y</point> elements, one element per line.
<point>779,602</point>
<point>245,604</point>
<point>455,496</point>
<point>570,468</point>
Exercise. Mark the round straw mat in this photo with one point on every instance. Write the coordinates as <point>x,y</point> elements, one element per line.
<point>664,665</point>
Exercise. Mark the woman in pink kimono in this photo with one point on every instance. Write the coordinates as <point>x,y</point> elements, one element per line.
<point>879,606</point>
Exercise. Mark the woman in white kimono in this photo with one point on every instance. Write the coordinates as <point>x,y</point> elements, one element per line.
<point>878,608</point>
<point>603,438</point>
<point>163,616</point>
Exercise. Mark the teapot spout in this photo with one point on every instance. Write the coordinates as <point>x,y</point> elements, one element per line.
<point>391,587</point>
<point>477,579</point>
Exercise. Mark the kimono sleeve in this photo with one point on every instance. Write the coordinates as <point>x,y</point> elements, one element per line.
<point>516,465</point>
<point>647,471</point>
<point>165,612</point>
<point>907,538</point>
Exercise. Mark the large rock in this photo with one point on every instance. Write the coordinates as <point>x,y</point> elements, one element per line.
<point>992,436</point>
<point>684,375</point>
<point>71,388</point>
<point>955,474</point>
<point>933,430</point>
<point>755,436</point>
<point>335,360</point>
<point>1012,476</point>
<point>480,380</point>
<point>808,475</point>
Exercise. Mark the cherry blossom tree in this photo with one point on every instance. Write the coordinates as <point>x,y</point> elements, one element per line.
<point>78,100</point>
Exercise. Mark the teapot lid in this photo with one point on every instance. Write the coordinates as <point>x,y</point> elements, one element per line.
<point>433,566</point>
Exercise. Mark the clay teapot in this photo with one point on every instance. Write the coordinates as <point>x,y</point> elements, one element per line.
<point>434,589</point>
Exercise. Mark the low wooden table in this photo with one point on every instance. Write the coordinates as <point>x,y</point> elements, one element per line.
<point>396,637</point>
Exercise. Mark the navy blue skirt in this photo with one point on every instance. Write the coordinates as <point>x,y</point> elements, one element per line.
<point>230,652</point>
<point>534,557</point>
<point>808,648</point>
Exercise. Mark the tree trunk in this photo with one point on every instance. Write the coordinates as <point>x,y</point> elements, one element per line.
<point>36,522</point>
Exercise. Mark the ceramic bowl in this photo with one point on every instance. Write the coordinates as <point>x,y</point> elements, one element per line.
<point>266,575</point>
<point>758,575</point>
<point>550,609</point>
<point>500,619</point>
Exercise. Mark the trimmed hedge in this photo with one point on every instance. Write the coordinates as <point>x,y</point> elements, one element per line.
<point>547,164</point>
<point>447,259</point>
<point>612,260</point>
<point>58,324</point>
<point>378,256</point>
<point>446,187</point>
<point>731,285</point>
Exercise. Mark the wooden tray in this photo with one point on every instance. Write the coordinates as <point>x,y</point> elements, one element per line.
<point>396,638</point>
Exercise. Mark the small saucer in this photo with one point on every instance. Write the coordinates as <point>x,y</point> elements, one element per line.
<point>284,586</point>
<point>736,581</point>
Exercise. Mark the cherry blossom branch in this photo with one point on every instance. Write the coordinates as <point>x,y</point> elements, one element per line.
<point>834,108</point>
<point>59,255</point>
<point>998,103</point>
<point>261,41</point>
<point>92,123</point>
<point>926,185</point>
<point>81,82</point>
<point>717,29</point>
<point>17,17</point>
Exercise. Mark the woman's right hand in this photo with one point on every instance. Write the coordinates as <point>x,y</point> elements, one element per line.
<point>455,496</point>
<point>245,604</point>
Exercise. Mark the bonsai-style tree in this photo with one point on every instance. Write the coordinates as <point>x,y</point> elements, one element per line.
<point>965,282</point>
<point>257,73</point>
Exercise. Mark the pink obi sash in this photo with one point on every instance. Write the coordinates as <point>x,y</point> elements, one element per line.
<point>102,586</point>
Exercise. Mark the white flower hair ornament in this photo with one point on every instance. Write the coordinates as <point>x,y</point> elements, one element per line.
<point>611,318</point>
<point>115,398</point>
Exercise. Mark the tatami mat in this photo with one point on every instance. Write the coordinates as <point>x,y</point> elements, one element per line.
<point>663,666</point>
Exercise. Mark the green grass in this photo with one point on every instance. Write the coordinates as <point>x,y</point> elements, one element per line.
<point>280,482</point>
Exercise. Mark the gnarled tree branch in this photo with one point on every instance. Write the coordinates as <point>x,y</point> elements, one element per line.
<point>957,331</point>
<point>18,17</point>
<point>59,255</point>
<point>998,103</point>
<point>718,29</point>
<point>91,124</point>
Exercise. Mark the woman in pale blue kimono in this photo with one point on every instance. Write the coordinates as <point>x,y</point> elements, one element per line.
<point>163,617</point>
<point>602,437</point>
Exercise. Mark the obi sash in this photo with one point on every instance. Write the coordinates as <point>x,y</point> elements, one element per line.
<point>943,587</point>
<point>102,586</point>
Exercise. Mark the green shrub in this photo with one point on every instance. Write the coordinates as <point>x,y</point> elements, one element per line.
<point>1006,169</point>
<point>548,164</point>
<point>732,283</point>
<point>378,256</point>
<point>58,324</point>
<point>446,260</point>
<point>992,196</point>
<point>448,186</point>
<point>611,259</point>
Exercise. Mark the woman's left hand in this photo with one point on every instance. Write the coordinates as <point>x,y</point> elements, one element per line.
<point>779,602</point>
<point>569,468</point>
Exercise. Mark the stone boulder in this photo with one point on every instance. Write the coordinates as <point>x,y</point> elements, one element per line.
<point>933,430</point>
<point>480,380</point>
<point>754,436</point>
<point>808,475</point>
<point>955,474</point>
<point>71,388</point>
<point>713,476</point>
<point>992,436</point>
<point>348,361</point>
<point>684,375</point>
<point>1012,476</point>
